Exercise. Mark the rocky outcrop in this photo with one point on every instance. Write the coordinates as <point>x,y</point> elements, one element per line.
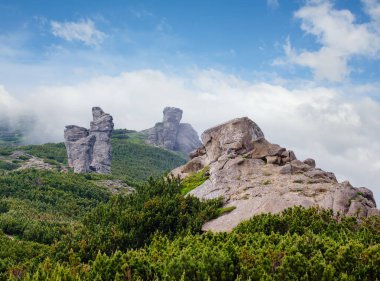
<point>90,150</point>
<point>171,134</point>
<point>256,176</point>
<point>101,129</point>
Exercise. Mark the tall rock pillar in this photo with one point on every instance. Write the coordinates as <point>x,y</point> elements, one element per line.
<point>101,129</point>
<point>90,150</point>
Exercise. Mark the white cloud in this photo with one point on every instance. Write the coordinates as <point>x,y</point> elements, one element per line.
<point>339,36</point>
<point>340,133</point>
<point>83,31</point>
<point>8,104</point>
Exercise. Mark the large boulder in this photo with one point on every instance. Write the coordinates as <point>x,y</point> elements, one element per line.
<point>256,176</point>
<point>90,150</point>
<point>171,134</point>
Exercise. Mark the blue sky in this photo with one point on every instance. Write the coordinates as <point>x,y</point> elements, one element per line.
<point>305,70</point>
<point>243,37</point>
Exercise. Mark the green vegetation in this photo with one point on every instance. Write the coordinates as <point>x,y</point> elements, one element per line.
<point>64,226</point>
<point>298,181</point>
<point>5,165</point>
<point>41,206</point>
<point>133,160</point>
<point>154,234</point>
<point>49,151</point>
<point>266,182</point>
<point>225,210</point>
<point>194,180</point>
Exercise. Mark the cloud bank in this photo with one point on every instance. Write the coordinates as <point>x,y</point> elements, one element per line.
<point>340,38</point>
<point>339,130</point>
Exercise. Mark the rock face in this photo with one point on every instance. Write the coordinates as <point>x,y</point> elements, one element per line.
<point>255,176</point>
<point>171,134</point>
<point>90,150</point>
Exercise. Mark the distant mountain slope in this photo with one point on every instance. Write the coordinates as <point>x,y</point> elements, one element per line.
<point>133,159</point>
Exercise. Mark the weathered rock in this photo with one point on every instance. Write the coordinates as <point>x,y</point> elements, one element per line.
<point>318,175</point>
<point>235,136</point>
<point>198,152</point>
<point>187,138</point>
<point>90,150</point>
<point>299,167</point>
<point>235,152</point>
<point>272,160</point>
<point>286,169</point>
<point>310,162</point>
<point>173,135</point>
<point>101,129</point>
<point>79,147</point>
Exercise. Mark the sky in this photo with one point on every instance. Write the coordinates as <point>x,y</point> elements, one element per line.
<point>306,71</point>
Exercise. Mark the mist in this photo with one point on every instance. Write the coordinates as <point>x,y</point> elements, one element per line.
<point>338,129</point>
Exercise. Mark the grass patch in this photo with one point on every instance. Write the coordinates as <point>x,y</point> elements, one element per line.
<point>194,180</point>
<point>266,182</point>
<point>298,181</point>
<point>225,210</point>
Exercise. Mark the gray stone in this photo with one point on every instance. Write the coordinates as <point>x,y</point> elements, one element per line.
<point>373,212</point>
<point>90,150</point>
<point>173,135</point>
<point>286,169</point>
<point>187,139</point>
<point>234,152</point>
<point>101,128</point>
<point>292,156</point>
<point>318,176</point>
<point>299,167</point>
<point>310,162</point>
<point>272,160</point>
<point>236,135</point>
<point>197,152</point>
<point>357,209</point>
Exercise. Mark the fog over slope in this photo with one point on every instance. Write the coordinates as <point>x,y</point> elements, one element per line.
<point>340,133</point>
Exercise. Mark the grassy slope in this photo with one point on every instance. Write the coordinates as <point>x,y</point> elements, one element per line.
<point>42,205</point>
<point>132,158</point>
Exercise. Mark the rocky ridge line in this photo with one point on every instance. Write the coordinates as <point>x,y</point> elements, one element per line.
<point>256,176</point>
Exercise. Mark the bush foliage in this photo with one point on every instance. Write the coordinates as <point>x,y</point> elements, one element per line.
<point>64,226</point>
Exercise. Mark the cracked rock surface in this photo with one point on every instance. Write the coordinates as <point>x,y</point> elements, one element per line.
<point>256,176</point>
<point>90,150</point>
<point>171,134</point>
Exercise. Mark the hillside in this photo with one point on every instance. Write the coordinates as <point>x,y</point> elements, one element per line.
<point>58,225</point>
<point>155,234</point>
<point>133,160</point>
